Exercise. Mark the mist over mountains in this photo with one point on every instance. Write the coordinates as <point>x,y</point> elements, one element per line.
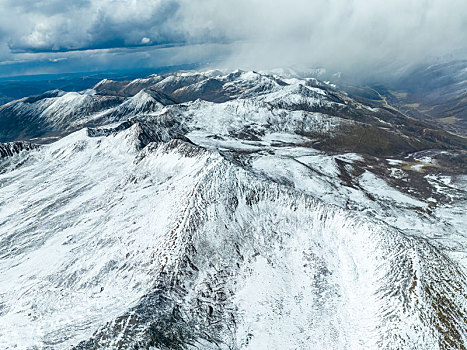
<point>356,37</point>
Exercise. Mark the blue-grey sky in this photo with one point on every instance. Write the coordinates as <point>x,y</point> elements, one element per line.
<point>58,36</point>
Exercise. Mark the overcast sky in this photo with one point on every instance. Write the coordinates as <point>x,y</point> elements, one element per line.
<point>54,36</point>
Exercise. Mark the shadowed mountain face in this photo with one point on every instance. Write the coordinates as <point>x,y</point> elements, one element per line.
<point>236,210</point>
<point>17,87</point>
<point>49,114</point>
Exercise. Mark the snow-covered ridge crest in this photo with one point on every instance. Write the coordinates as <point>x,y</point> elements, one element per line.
<point>218,221</point>
<point>223,227</point>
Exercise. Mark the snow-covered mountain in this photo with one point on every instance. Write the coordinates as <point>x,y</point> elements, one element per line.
<point>238,210</point>
<point>50,113</point>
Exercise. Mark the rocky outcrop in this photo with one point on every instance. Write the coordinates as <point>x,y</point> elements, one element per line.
<point>11,148</point>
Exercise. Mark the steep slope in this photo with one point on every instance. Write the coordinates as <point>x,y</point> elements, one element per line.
<point>144,102</point>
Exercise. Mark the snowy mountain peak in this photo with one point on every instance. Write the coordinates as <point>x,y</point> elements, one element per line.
<point>236,210</point>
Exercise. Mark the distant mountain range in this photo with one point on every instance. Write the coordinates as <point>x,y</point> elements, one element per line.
<point>436,94</point>
<point>16,87</point>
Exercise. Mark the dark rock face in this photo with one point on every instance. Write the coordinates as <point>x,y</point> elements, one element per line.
<point>98,132</point>
<point>11,148</point>
<point>146,131</point>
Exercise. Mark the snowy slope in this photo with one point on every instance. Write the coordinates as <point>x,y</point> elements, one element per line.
<point>49,113</point>
<point>223,226</point>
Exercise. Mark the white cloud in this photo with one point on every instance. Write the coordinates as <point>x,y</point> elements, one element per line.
<point>339,33</point>
<point>354,35</point>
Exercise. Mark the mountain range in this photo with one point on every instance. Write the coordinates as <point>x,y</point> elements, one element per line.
<point>234,210</point>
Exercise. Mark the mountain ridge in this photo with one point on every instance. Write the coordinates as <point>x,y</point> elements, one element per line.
<point>249,220</point>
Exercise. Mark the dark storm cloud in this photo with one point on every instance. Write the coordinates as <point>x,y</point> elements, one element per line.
<point>352,35</point>
<point>53,26</point>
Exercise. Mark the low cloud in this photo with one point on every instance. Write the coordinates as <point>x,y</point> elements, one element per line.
<point>348,35</point>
